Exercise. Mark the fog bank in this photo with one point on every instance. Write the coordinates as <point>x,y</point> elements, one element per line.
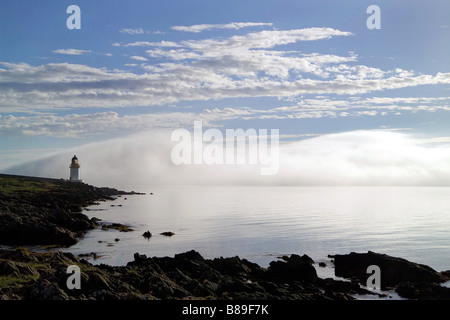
<point>350,158</point>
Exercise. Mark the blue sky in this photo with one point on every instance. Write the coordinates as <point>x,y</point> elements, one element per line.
<point>307,68</point>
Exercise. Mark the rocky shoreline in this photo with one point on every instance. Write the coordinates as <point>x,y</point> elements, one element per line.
<point>48,211</point>
<point>28,275</point>
<point>40,211</point>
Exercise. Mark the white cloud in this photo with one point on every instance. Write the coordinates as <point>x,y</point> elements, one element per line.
<point>55,72</point>
<point>74,52</point>
<point>174,54</point>
<point>408,100</point>
<point>243,66</point>
<point>139,58</point>
<point>79,125</point>
<point>233,25</point>
<point>132,31</point>
<point>63,85</point>
<point>264,39</point>
<point>148,44</point>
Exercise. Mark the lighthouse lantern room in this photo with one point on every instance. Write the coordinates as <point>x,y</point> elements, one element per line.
<point>75,170</point>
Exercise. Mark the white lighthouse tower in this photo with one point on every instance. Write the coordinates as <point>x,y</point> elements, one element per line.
<point>75,170</point>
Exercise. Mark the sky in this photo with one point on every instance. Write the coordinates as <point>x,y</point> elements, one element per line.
<point>352,104</point>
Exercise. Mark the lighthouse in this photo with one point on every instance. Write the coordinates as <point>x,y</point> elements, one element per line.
<point>75,170</point>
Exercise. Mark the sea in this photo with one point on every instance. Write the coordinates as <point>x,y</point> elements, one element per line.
<point>264,223</point>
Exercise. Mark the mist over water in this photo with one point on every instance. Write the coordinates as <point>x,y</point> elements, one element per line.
<point>350,158</point>
<point>323,200</point>
<point>262,223</point>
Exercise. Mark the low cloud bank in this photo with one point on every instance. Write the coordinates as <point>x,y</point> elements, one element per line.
<point>350,158</point>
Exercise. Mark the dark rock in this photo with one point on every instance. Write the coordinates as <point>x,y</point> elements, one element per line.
<point>393,270</point>
<point>231,266</point>
<point>230,284</point>
<point>117,226</point>
<point>46,290</point>
<point>40,211</point>
<point>19,254</point>
<point>307,259</point>
<point>423,291</point>
<point>75,208</point>
<point>322,264</point>
<point>147,234</point>
<point>140,258</point>
<point>340,286</point>
<point>96,280</point>
<point>446,275</point>
<point>295,268</point>
<point>8,268</point>
<point>42,276</point>
<point>205,289</point>
<point>189,255</point>
<point>162,287</point>
<point>167,233</point>
<point>16,269</point>
<point>105,295</point>
<point>186,276</point>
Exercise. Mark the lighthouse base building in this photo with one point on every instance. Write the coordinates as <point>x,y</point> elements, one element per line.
<point>75,170</point>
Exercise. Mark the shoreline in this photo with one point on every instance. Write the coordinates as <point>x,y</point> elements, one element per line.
<point>41,211</point>
<point>45,211</point>
<point>29,275</point>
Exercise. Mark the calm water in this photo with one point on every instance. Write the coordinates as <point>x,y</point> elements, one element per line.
<point>262,223</point>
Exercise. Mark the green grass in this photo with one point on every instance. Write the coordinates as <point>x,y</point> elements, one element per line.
<point>10,186</point>
<point>8,281</point>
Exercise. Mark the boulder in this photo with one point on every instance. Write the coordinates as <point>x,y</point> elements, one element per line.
<point>446,275</point>
<point>147,234</point>
<point>139,258</point>
<point>423,291</point>
<point>189,255</point>
<point>16,269</point>
<point>294,269</point>
<point>164,288</point>
<point>117,226</point>
<point>43,289</point>
<point>233,266</point>
<point>393,270</point>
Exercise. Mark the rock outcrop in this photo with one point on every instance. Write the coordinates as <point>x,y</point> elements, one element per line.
<point>39,211</point>
<point>29,275</point>
<point>410,280</point>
